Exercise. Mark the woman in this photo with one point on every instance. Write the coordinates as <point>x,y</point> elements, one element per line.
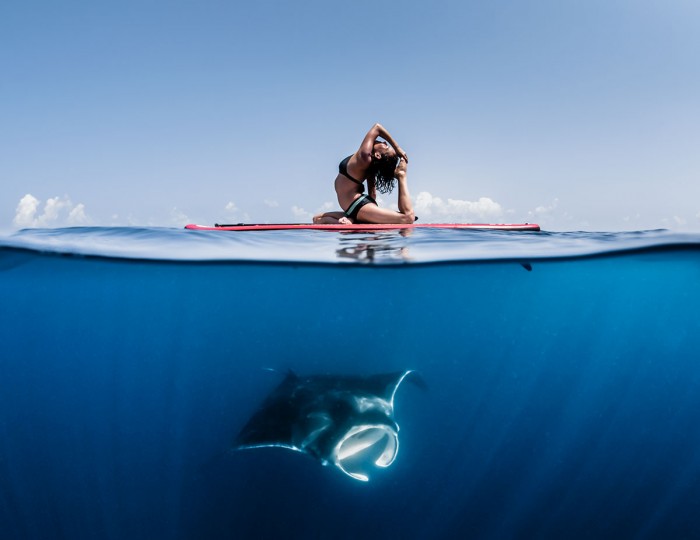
<point>381,164</point>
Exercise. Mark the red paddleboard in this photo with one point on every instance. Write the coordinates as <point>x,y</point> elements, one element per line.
<point>362,226</point>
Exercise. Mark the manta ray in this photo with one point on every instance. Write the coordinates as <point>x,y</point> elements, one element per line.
<point>343,421</point>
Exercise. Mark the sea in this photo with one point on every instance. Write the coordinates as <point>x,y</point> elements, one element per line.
<point>561,372</point>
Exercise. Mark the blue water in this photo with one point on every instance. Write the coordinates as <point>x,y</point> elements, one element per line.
<point>562,371</point>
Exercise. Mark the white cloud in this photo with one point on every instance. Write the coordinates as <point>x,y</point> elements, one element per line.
<point>551,216</point>
<point>52,208</point>
<point>77,216</point>
<point>304,216</point>
<point>301,214</point>
<point>271,204</point>
<point>234,214</point>
<point>545,210</point>
<point>675,222</point>
<point>57,212</point>
<point>26,211</point>
<point>430,208</point>
<point>178,218</point>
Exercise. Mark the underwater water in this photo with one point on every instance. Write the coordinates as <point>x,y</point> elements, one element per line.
<point>561,370</point>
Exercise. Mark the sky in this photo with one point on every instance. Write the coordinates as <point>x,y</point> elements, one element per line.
<point>574,115</point>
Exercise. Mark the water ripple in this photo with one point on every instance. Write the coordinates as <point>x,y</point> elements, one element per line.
<point>310,246</point>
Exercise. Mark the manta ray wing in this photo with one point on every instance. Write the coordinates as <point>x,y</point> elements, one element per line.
<point>385,385</point>
<point>272,424</point>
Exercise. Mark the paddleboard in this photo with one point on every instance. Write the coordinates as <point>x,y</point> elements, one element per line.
<point>362,226</point>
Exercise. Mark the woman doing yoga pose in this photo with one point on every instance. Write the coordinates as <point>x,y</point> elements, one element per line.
<point>381,164</point>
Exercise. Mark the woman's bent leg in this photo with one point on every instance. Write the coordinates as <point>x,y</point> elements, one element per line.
<point>371,213</point>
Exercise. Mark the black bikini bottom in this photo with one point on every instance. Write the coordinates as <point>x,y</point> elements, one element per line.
<point>358,203</point>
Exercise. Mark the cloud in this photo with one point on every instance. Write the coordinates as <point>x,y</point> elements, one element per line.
<point>26,210</point>
<point>430,207</point>
<point>52,209</point>
<point>301,214</point>
<point>178,218</point>
<point>675,222</point>
<point>304,216</point>
<point>77,216</point>
<point>271,204</point>
<point>545,211</point>
<point>57,212</point>
<point>552,216</point>
<point>233,213</point>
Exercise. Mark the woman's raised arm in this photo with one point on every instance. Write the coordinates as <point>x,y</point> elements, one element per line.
<point>367,146</point>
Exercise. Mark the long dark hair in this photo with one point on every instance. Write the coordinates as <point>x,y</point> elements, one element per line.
<point>383,171</point>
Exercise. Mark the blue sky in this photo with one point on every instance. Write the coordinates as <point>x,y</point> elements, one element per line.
<point>575,115</point>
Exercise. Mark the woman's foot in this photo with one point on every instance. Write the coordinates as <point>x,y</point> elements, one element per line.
<point>332,218</point>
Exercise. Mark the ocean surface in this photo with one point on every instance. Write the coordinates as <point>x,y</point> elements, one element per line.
<point>561,371</point>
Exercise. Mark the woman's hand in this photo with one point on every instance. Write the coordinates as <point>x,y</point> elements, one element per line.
<point>401,170</point>
<point>401,153</point>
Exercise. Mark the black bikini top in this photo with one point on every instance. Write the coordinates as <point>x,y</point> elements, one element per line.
<point>343,169</point>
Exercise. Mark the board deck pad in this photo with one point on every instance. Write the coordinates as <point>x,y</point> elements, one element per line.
<point>362,226</point>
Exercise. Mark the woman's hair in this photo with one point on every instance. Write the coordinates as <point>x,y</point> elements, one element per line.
<point>383,171</point>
